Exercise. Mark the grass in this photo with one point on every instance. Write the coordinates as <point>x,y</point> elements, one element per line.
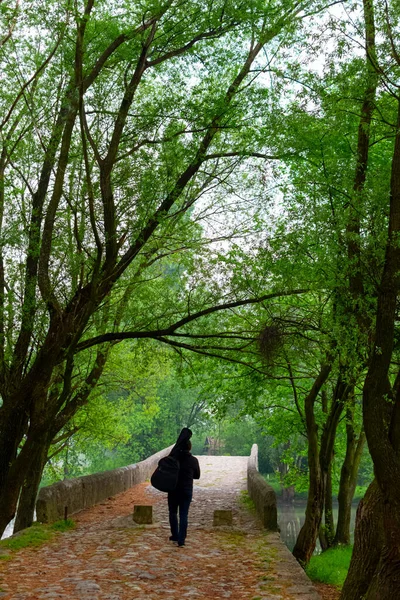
<point>331,566</point>
<point>246,501</point>
<point>232,538</point>
<point>63,525</point>
<point>33,537</point>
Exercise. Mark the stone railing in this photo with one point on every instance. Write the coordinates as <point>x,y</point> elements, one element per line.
<point>261,493</point>
<point>72,495</point>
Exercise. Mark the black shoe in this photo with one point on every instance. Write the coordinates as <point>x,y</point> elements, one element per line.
<point>172,538</point>
<point>180,544</point>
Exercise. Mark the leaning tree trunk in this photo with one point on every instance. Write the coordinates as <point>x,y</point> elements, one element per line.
<point>319,464</point>
<point>8,504</point>
<point>20,469</point>
<point>381,409</point>
<point>384,443</point>
<point>29,491</point>
<point>307,538</point>
<point>348,481</point>
<point>73,401</point>
<point>9,494</point>
<point>12,427</point>
<point>368,543</point>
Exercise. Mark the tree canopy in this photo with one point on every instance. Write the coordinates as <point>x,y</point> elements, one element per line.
<point>221,180</point>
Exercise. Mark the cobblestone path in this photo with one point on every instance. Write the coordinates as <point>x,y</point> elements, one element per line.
<point>107,557</point>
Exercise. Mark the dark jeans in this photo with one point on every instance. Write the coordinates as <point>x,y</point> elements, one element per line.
<point>179,499</point>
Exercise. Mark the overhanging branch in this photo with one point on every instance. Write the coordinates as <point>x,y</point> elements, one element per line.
<point>157,333</point>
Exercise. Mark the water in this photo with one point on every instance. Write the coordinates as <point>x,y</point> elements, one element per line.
<point>8,531</point>
<point>291,519</point>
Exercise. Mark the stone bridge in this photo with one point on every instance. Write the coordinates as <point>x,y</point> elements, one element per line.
<point>108,557</point>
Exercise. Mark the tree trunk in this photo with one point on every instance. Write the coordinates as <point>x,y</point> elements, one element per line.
<point>323,542</point>
<point>348,480</point>
<point>385,584</point>
<point>326,530</point>
<point>12,428</point>
<point>19,472</point>
<point>378,578</point>
<point>29,491</point>
<point>37,442</point>
<point>8,504</point>
<point>287,492</point>
<point>307,538</point>
<point>368,543</point>
<point>381,409</point>
<point>13,474</point>
<point>329,520</point>
<point>381,412</point>
<point>319,463</point>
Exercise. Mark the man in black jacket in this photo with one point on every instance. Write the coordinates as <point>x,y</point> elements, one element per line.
<point>181,497</point>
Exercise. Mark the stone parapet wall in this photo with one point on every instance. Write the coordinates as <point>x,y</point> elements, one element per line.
<point>76,494</point>
<point>261,493</point>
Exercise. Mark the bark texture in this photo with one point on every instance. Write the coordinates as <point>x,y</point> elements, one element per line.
<point>348,479</point>
<point>381,405</point>
<point>368,543</point>
<point>307,538</point>
<point>29,491</point>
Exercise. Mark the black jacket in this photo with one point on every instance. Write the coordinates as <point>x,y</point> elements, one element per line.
<point>189,465</point>
<point>189,470</point>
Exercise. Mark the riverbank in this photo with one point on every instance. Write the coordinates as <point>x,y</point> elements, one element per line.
<point>291,519</point>
<point>329,570</point>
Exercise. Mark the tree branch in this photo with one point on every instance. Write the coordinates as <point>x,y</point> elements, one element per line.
<point>121,39</point>
<point>123,335</point>
<point>199,158</point>
<point>215,33</point>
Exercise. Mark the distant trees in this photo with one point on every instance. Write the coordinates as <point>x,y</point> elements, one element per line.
<point>139,406</point>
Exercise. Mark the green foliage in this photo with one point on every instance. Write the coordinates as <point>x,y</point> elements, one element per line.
<point>330,566</point>
<point>241,227</point>
<point>275,482</point>
<point>139,409</point>
<point>360,492</point>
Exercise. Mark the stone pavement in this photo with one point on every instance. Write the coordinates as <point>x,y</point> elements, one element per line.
<point>108,557</point>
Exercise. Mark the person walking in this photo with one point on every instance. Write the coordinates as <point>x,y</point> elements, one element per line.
<point>181,497</point>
